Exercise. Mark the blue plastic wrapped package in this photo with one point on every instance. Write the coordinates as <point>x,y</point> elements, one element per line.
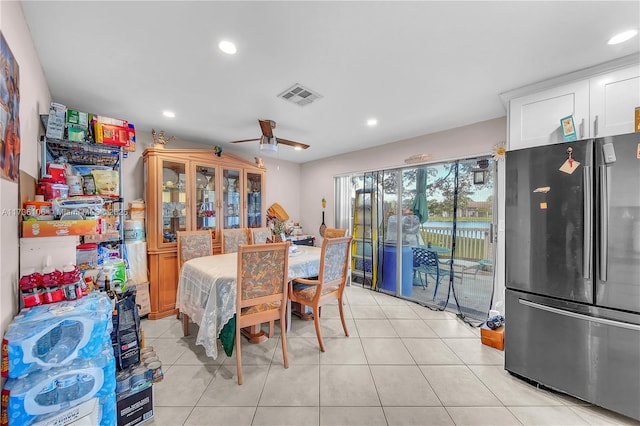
<point>49,395</point>
<point>49,336</point>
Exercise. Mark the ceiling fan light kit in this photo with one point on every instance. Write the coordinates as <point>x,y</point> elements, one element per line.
<point>268,142</point>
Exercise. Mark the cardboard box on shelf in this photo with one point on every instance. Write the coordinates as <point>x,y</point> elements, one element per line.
<point>52,228</point>
<point>493,338</point>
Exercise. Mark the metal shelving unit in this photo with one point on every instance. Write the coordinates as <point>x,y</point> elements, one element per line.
<point>89,154</point>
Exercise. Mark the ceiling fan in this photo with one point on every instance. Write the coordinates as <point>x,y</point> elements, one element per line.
<point>268,142</point>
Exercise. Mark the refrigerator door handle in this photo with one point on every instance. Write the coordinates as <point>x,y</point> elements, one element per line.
<point>576,315</point>
<point>604,221</point>
<point>588,222</point>
<point>581,128</point>
<point>595,127</point>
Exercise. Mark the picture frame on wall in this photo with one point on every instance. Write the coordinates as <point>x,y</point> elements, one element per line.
<point>9,113</point>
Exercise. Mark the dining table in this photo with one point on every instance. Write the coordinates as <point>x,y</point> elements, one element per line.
<point>207,290</point>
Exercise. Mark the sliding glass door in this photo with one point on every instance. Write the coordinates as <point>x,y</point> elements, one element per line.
<point>428,232</point>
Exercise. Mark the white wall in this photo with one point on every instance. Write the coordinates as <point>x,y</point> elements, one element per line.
<point>317,177</point>
<point>34,99</point>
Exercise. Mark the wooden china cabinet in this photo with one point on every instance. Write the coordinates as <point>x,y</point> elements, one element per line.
<point>189,190</point>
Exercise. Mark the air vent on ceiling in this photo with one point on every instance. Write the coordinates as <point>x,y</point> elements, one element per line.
<point>299,95</point>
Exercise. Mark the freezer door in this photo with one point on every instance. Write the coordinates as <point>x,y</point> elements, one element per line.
<point>618,222</point>
<point>548,215</point>
<point>588,352</point>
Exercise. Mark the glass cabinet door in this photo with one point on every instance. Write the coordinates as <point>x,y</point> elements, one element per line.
<point>174,198</point>
<point>231,201</point>
<point>255,192</point>
<point>205,198</point>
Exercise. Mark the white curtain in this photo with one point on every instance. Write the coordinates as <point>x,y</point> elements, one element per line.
<point>342,193</point>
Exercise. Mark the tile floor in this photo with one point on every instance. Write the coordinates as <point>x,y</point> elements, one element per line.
<point>403,364</point>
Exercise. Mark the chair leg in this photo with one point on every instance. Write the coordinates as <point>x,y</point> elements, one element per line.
<point>316,321</point>
<point>272,329</point>
<point>185,324</point>
<point>178,314</point>
<point>238,354</point>
<point>344,324</point>
<point>283,336</point>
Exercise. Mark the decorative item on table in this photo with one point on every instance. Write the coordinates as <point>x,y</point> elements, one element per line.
<point>159,138</point>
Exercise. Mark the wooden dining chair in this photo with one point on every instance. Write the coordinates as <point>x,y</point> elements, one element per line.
<point>329,286</point>
<point>260,235</point>
<point>192,244</point>
<point>262,291</point>
<point>232,238</point>
<point>334,232</point>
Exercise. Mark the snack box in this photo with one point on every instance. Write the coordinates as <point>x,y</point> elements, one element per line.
<point>53,228</point>
<point>110,131</point>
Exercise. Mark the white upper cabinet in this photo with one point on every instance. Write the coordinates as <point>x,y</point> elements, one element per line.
<point>602,101</point>
<point>535,119</point>
<point>614,97</point>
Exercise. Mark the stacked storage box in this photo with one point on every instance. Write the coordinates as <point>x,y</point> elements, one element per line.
<point>60,365</point>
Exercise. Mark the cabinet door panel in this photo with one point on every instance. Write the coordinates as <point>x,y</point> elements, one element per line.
<point>163,284</point>
<point>232,202</point>
<point>205,210</point>
<point>173,206</point>
<point>614,97</point>
<point>534,120</point>
<point>255,200</point>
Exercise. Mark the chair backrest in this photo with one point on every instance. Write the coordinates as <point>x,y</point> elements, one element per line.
<point>263,271</point>
<point>425,258</point>
<point>334,263</point>
<point>334,232</point>
<point>192,244</point>
<point>260,235</point>
<point>232,238</point>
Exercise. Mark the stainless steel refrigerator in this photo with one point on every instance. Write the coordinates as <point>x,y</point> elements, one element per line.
<point>573,269</point>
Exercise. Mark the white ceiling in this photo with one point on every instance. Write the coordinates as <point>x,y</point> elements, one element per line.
<point>418,67</point>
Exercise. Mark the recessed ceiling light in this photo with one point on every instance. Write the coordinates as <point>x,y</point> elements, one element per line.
<point>227,47</point>
<point>372,122</point>
<point>168,114</point>
<point>622,37</point>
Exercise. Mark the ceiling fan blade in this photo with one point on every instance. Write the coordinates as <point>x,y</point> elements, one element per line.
<point>245,140</point>
<point>292,143</point>
<point>267,127</point>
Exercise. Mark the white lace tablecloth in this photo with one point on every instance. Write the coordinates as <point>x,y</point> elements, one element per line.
<point>207,290</point>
